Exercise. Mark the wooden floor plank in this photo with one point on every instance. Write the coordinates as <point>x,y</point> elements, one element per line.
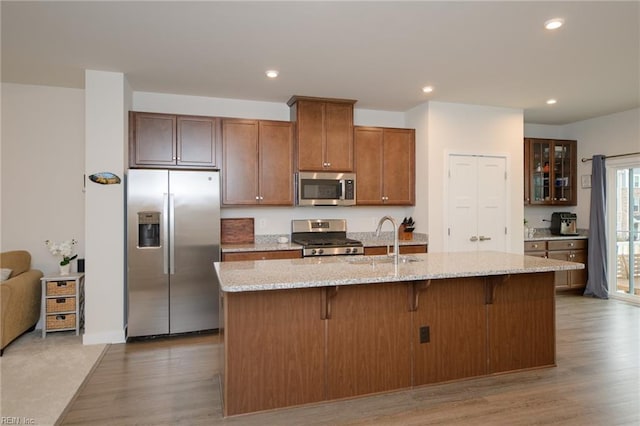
<point>597,382</point>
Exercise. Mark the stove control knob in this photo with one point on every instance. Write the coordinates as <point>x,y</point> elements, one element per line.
<point>320,251</point>
<point>313,251</point>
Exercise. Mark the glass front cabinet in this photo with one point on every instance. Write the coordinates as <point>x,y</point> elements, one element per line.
<point>550,172</point>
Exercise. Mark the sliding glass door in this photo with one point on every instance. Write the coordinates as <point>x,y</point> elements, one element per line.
<point>624,220</point>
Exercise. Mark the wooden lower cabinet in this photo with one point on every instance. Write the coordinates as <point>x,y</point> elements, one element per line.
<point>368,340</point>
<point>292,347</point>
<point>261,255</point>
<point>377,250</point>
<point>569,250</point>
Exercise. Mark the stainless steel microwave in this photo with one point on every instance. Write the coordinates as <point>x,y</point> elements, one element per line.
<point>325,189</point>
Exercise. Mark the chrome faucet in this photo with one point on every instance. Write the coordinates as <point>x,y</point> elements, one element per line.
<point>396,249</point>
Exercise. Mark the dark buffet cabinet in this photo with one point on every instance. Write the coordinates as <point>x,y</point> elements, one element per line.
<point>570,250</point>
<point>171,141</point>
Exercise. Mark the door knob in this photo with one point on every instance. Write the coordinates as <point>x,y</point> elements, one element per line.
<point>483,238</point>
<point>474,238</point>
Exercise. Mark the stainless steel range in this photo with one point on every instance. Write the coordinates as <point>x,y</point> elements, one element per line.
<point>324,237</point>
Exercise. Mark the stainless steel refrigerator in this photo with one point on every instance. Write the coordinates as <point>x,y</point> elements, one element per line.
<point>173,238</point>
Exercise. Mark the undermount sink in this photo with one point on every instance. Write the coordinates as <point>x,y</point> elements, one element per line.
<point>373,260</point>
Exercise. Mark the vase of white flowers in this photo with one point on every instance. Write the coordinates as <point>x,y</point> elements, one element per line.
<point>64,249</point>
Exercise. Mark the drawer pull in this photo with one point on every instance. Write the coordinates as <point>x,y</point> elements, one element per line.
<point>61,317</point>
<point>61,300</point>
<point>61,283</point>
<point>570,244</point>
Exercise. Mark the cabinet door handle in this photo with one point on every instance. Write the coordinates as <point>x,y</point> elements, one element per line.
<point>483,238</point>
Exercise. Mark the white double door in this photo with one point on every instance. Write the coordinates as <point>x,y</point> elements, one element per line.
<point>477,203</point>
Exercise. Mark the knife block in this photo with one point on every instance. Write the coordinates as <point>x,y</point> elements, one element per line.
<point>404,235</point>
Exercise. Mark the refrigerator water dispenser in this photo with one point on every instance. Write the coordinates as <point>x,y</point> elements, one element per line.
<point>148,229</point>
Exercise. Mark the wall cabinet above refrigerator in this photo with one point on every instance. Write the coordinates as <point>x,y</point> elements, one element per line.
<point>550,172</point>
<point>172,141</point>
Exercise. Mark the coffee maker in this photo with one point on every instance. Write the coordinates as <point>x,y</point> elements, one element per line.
<point>564,223</point>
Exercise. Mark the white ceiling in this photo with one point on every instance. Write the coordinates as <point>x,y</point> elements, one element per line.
<point>379,53</point>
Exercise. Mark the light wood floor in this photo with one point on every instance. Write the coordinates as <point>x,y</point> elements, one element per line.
<point>597,382</point>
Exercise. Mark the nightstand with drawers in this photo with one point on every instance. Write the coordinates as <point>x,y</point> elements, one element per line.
<point>62,303</point>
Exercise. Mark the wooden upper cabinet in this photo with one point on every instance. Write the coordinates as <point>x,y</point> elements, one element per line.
<point>172,141</point>
<point>324,133</point>
<point>239,161</point>
<point>276,163</point>
<point>196,141</point>
<point>257,166</point>
<point>152,139</point>
<point>385,166</point>
<point>550,168</point>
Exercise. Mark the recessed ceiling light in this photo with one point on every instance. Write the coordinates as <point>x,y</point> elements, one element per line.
<point>551,101</point>
<point>553,24</point>
<point>272,73</point>
<point>427,89</point>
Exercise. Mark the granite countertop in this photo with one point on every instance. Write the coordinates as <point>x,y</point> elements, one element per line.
<point>270,242</point>
<point>346,270</point>
<point>545,234</point>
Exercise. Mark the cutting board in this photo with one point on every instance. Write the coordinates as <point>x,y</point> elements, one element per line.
<point>237,230</point>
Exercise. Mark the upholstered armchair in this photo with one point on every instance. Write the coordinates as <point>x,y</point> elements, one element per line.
<point>20,296</point>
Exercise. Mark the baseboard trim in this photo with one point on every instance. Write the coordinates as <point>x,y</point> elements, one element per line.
<point>107,337</point>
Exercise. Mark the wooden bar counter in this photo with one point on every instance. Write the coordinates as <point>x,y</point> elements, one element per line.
<point>298,331</point>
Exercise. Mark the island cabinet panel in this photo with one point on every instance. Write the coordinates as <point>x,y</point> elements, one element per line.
<point>368,340</point>
<point>274,350</point>
<point>521,318</point>
<point>454,310</point>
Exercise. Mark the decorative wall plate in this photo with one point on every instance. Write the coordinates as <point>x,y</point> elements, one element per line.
<point>105,178</point>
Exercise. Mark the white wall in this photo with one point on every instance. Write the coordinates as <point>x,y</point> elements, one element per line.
<point>473,129</point>
<point>418,118</point>
<point>609,135</point>
<point>277,220</point>
<point>106,145</point>
<point>42,170</point>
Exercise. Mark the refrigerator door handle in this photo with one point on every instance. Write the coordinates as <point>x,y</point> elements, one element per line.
<point>165,234</point>
<point>172,233</point>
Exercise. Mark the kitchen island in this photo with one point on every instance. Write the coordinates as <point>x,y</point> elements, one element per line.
<point>306,330</point>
